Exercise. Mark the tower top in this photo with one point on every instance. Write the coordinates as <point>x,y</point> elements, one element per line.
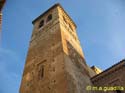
<point>54,6</point>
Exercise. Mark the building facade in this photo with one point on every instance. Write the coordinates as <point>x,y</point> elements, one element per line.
<point>2,2</point>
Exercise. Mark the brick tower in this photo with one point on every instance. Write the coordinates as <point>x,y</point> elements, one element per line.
<point>55,61</point>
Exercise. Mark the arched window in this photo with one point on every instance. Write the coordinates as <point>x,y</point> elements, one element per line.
<point>41,24</point>
<point>49,18</point>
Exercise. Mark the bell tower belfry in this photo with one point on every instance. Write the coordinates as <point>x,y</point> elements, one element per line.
<point>55,61</point>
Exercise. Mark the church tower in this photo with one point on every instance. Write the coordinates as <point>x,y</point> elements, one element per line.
<point>55,61</point>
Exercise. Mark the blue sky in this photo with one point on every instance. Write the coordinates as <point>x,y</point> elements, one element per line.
<point>100,27</point>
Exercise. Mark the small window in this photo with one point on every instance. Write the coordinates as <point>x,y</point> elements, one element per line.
<point>41,72</point>
<point>41,24</point>
<point>49,18</point>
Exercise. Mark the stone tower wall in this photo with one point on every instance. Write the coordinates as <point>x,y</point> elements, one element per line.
<point>55,62</point>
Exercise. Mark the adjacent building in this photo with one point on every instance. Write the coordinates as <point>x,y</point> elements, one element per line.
<point>111,77</point>
<point>2,2</point>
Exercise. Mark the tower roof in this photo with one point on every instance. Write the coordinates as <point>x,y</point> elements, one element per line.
<point>56,5</point>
